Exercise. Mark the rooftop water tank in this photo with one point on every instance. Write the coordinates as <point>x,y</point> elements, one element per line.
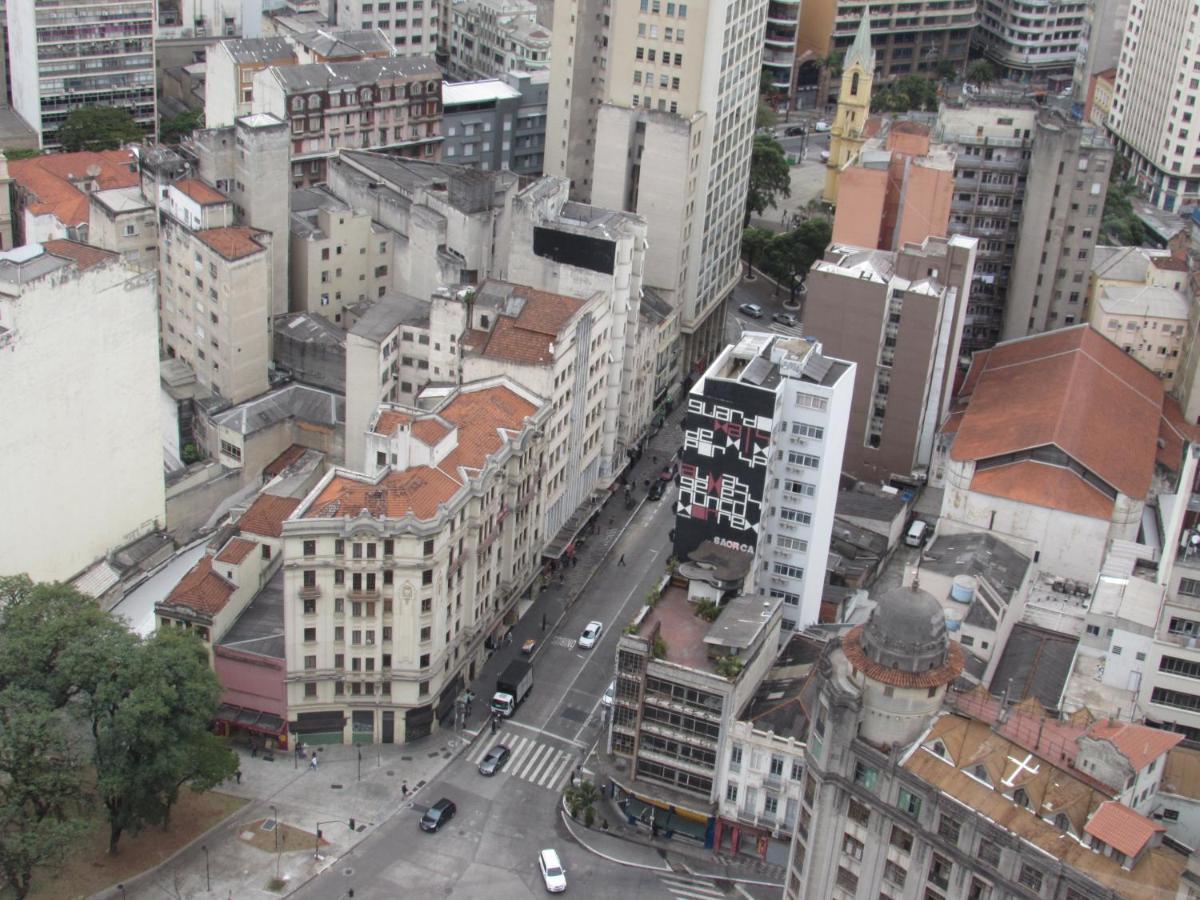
<point>962,589</point>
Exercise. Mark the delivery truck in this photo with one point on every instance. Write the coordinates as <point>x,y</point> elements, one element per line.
<point>512,687</point>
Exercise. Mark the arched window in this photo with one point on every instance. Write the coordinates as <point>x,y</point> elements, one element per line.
<point>297,103</point>
<point>1021,798</point>
<point>314,101</point>
<point>854,85</point>
<point>1062,823</point>
<point>365,95</point>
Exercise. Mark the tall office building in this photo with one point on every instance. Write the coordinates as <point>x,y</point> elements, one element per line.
<point>652,107</point>
<point>1155,99</point>
<point>66,54</point>
<point>1030,42</point>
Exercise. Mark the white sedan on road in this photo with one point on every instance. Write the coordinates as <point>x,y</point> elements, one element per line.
<point>553,874</point>
<point>591,634</point>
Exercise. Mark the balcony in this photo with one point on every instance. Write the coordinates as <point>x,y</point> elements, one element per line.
<point>363,594</point>
<point>310,592</point>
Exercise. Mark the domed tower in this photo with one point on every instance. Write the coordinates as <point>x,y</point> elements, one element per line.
<point>902,660</point>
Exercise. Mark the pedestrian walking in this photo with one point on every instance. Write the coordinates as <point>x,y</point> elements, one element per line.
<point>621,561</point>
<point>404,789</point>
<point>494,725</point>
<point>238,773</point>
<point>313,765</point>
<point>253,748</point>
<point>574,561</point>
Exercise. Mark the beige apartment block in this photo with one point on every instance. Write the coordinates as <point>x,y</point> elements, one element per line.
<point>393,104</point>
<point>338,257</point>
<point>215,291</point>
<point>491,37</point>
<point>397,583</point>
<point>413,28</point>
<point>64,306</point>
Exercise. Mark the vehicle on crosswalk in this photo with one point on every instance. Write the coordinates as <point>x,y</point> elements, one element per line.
<point>546,764</point>
<point>553,874</point>
<point>591,634</point>
<point>788,319</point>
<point>493,760</point>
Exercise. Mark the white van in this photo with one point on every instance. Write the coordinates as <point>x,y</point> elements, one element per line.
<point>916,533</point>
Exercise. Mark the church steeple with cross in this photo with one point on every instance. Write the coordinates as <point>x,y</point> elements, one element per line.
<point>854,105</point>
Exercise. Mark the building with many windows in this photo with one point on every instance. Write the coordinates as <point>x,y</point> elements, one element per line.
<point>395,580</point>
<point>653,105</point>
<point>491,37</point>
<point>499,123</point>
<point>413,27</point>
<point>1030,43</point>
<point>68,55</point>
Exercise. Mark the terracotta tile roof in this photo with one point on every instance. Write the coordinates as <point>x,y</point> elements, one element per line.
<point>389,420</point>
<point>429,431</point>
<point>236,550</point>
<point>201,589</point>
<point>529,336</point>
<point>1156,875</point>
<point>1039,484</point>
<point>944,674</point>
<point>482,418</point>
<point>202,193</point>
<point>266,514</point>
<point>1140,744</point>
<point>953,421</point>
<point>1122,828</point>
<point>84,255</point>
<point>283,460</point>
<point>1168,263</point>
<point>1072,388</point>
<point>51,180</point>
<point>1173,430</point>
<point>234,242</point>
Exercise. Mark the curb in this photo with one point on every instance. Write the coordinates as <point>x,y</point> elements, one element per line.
<point>111,890</point>
<point>612,859</point>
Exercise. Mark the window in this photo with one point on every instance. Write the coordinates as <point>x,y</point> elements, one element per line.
<point>939,871</point>
<point>1188,586</point>
<point>865,775</point>
<point>310,548</point>
<point>731,792</point>
<point>852,847</point>
<point>989,852</point>
<point>804,459</point>
<point>811,401</point>
<point>310,689</point>
<point>949,827</point>
<point>794,515</point>
<point>802,488</point>
<point>901,839</point>
<point>801,429</point>
<point>1030,877</point>
<point>847,880</point>
<point>858,812</point>
<point>895,874</point>
<point>310,661</point>
<point>735,758</point>
<point>909,802</point>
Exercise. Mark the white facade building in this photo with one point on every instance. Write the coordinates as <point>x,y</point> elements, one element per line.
<point>491,37</point>
<point>79,382</point>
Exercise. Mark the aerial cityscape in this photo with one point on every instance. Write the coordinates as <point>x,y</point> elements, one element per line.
<point>734,449</point>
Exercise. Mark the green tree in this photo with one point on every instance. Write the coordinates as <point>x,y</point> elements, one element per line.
<point>39,788</point>
<point>150,723</point>
<point>175,128</point>
<point>770,176</point>
<point>946,70</point>
<point>981,72</point>
<point>789,256</point>
<point>54,641</point>
<point>20,153</point>
<point>765,116</point>
<point>581,798</point>
<point>754,245</point>
<point>1119,224</point>
<point>98,128</point>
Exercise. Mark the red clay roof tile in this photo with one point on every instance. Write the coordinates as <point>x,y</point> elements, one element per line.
<point>266,514</point>
<point>1039,484</point>
<point>1140,744</point>
<point>50,180</point>
<point>201,589</point>
<point>236,550</point>
<point>84,255</point>
<point>234,242</point>
<point>204,194</point>
<point>1121,828</point>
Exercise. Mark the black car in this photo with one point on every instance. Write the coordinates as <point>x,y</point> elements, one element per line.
<point>438,815</point>
<point>657,489</point>
<point>794,130</point>
<point>493,761</point>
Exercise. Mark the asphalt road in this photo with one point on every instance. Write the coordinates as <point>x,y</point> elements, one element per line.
<point>490,848</point>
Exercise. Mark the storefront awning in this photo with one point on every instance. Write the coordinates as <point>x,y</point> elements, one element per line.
<point>250,719</point>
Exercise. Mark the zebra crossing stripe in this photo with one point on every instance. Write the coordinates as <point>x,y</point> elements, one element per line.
<point>519,748</point>
<point>682,887</point>
<point>530,760</point>
<point>536,771</point>
<point>553,778</point>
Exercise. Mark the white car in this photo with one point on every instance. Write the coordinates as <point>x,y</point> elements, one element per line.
<point>591,634</point>
<point>553,874</point>
<point>821,127</point>
<point>610,694</point>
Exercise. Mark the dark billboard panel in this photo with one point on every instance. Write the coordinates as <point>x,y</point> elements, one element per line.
<point>723,472</point>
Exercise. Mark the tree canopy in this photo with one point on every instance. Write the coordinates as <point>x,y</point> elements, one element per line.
<point>754,244</point>
<point>912,92</point>
<point>790,255</point>
<point>98,128</point>
<point>1119,223</point>
<point>770,176</point>
<point>981,72</point>
<point>175,128</point>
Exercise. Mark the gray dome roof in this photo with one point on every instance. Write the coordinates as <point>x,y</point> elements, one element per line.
<point>906,631</point>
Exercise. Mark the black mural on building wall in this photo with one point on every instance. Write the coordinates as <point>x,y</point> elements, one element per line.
<point>723,472</point>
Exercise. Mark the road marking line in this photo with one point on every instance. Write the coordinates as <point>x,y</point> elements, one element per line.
<point>527,746</point>
<point>527,765</point>
<point>537,771</point>
<point>547,733</point>
<point>693,895</point>
<point>555,766</point>
<point>476,753</point>
<point>741,890</point>
<point>561,776</point>
<point>688,889</point>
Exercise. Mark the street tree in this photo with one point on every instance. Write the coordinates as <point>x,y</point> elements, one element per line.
<point>981,72</point>
<point>754,245</point>
<point>40,786</point>
<point>98,128</point>
<point>790,255</point>
<point>175,128</point>
<point>770,176</point>
<point>150,724</point>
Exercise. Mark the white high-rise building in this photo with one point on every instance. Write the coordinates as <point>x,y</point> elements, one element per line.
<point>1154,100</point>
<point>651,110</point>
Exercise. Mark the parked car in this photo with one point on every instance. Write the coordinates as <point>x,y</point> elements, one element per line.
<point>785,319</point>
<point>916,533</point>
<point>438,815</point>
<point>794,130</point>
<point>553,874</point>
<point>657,489</point>
<point>753,310</point>
<point>610,693</point>
<point>591,634</point>
<point>493,761</point>
<point>821,127</point>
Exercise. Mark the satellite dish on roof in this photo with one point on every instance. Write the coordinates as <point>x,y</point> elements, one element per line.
<point>93,170</point>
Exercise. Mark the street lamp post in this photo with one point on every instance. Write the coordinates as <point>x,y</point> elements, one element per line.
<point>207,873</point>
<point>360,763</point>
<point>317,848</point>
<point>275,814</point>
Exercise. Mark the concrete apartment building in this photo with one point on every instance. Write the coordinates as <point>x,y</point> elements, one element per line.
<point>1032,44</point>
<point>230,65</point>
<point>673,709</point>
<point>1137,298</point>
<point>780,65</point>
<point>906,796</point>
<point>491,37</point>
<point>182,19</point>
<point>899,318</point>
<point>338,255</point>
<point>60,303</point>
<point>1099,43</point>
<point>654,113</point>
<point>896,191</point>
<point>388,104</point>
<point>1155,99</point>
<point>909,38</point>
<point>413,27</point>
<point>394,582</point>
<point>1030,185</point>
<point>67,55</point>
<point>496,124</point>
<point>215,291</point>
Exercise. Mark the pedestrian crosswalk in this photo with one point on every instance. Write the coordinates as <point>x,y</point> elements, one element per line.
<point>790,331</point>
<point>538,763</point>
<point>691,887</point>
